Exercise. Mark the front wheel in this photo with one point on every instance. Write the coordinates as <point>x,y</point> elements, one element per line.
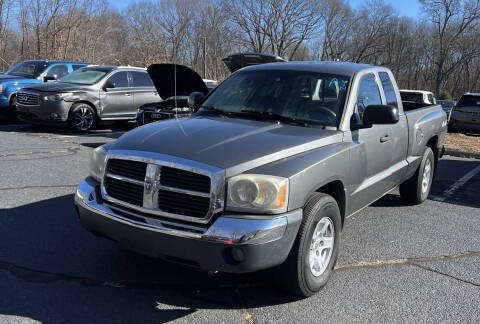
<point>314,253</point>
<point>416,189</point>
<point>82,117</point>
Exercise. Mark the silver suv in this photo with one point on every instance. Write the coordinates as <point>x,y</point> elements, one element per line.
<point>87,96</point>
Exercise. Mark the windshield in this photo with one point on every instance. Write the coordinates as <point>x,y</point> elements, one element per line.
<point>84,76</point>
<point>415,97</point>
<point>28,69</point>
<point>469,101</point>
<point>313,98</point>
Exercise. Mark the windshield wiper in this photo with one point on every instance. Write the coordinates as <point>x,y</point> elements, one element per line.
<point>216,110</point>
<point>276,117</point>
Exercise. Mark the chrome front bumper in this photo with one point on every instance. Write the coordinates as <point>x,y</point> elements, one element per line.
<point>264,241</point>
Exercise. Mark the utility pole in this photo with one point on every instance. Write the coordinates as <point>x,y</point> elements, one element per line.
<point>204,57</point>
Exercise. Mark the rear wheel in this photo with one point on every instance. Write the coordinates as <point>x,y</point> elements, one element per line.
<point>416,189</point>
<point>82,117</point>
<point>314,253</point>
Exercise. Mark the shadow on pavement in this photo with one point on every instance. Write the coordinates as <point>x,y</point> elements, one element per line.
<point>449,171</point>
<point>56,268</point>
<point>108,130</point>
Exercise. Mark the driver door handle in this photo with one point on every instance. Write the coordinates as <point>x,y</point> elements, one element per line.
<point>128,94</point>
<point>385,138</point>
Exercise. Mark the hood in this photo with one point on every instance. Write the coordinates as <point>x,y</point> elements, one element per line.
<point>6,77</point>
<point>164,75</point>
<point>55,87</point>
<point>236,145</point>
<point>237,61</point>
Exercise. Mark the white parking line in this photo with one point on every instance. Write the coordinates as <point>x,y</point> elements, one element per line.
<point>457,184</point>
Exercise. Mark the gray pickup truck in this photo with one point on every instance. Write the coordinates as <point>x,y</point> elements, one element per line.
<point>265,172</point>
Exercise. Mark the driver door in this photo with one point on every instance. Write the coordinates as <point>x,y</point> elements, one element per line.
<point>372,148</point>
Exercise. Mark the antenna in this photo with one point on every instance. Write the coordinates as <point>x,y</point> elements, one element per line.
<point>175,79</point>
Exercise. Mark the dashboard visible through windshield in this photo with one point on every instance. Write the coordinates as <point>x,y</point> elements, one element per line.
<point>309,97</point>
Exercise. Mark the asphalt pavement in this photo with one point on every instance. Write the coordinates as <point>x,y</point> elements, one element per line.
<point>398,263</point>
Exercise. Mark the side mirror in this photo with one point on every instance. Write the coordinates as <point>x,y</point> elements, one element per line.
<point>47,78</point>
<point>194,99</point>
<point>380,114</point>
<point>108,85</point>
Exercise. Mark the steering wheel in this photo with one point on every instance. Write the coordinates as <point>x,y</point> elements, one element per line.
<point>329,111</point>
<point>325,112</point>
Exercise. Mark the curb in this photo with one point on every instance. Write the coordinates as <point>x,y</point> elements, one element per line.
<point>462,154</point>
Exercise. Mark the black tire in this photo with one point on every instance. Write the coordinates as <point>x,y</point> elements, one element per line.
<point>82,117</point>
<point>295,274</point>
<point>413,191</point>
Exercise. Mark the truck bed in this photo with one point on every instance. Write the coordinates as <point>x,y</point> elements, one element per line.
<point>423,121</point>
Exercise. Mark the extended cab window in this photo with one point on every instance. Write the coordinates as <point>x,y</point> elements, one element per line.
<point>58,71</point>
<point>141,79</point>
<point>368,94</point>
<point>388,89</point>
<point>310,97</point>
<point>119,80</point>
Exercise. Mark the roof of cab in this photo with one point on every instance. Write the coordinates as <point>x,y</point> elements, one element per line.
<point>113,67</point>
<point>339,68</point>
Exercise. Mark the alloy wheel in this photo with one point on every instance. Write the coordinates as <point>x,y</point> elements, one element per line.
<point>321,247</point>
<point>83,119</point>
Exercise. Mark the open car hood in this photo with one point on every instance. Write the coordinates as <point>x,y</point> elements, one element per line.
<point>237,61</point>
<point>163,77</point>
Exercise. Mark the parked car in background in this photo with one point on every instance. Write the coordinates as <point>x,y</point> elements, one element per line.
<point>176,97</point>
<point>87,96</point>
<point>238,61</point>
<point>265,172</point>
<point>447,106</point>
<point>466,113</point>
<point>30,72</point>
<point>418,96</point>
<point>175,104</point>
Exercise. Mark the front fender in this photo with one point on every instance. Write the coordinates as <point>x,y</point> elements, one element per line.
<point>309,171</point>
<point>11,88</point>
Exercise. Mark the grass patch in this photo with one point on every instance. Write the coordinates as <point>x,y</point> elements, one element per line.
<point>465,143</point>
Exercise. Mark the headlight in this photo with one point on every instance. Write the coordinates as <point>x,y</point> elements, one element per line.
<point>257,193</point>
<point>97,162</point>
<point>1,88</point>
<point>58,96</point>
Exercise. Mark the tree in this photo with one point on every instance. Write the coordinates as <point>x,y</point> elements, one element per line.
<point>453,21</point>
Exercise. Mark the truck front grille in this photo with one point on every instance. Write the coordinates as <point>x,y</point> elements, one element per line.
<point>182,179</point>
<point>183,204</point>
<point>172,192</point>
<point>27,99</point>
<point>127,168</point>
<point>124,191</point>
